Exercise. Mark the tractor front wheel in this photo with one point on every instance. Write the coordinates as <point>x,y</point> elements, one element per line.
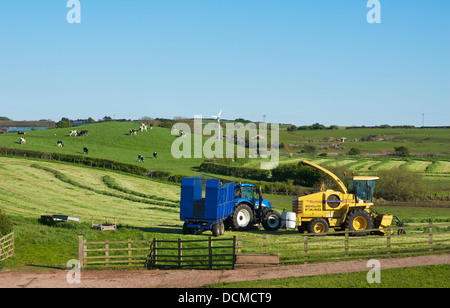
<point>272,221</point>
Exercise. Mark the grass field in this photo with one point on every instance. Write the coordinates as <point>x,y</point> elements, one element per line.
<point>143,208</point>
<point>146,208</point>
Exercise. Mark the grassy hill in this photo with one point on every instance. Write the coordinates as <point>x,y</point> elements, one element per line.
<point>109,140</point>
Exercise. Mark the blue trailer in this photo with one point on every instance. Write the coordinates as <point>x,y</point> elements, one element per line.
<point>205,204</point>
<point>208,204</point>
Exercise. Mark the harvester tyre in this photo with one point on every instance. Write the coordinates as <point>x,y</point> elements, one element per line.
<point>272,221</point>
<point>318,226</point>
<point>359,220</point>
<point>242,218</point>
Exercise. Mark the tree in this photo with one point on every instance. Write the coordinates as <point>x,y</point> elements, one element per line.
<point>402,151</point>
<point>354,151</point>
<point>65,122</point>
<point>399,184</point>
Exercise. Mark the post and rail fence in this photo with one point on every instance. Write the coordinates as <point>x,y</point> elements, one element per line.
<point>288,247</point>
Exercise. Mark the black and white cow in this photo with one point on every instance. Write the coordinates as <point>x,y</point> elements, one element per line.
<point>23,140</point>
<point>155,155</point>
<point>140,158</point>
<point>86,150</point>
<point>60,144</point>
<point>73,133</point>
<point>83,133</point>
<point>132,132</point>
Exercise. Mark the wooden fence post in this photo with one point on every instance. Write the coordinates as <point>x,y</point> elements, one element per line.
<point>234,250</point>
<point>305,247</point>
<point>81,251</point>
<point>129,251</point>
<point>347,233</point>
<point>107,252</point>
<point>430,237</point>
<point>155,248</point>
<point>388,245</point>
<point>180,253</point>
<point>210,252</point>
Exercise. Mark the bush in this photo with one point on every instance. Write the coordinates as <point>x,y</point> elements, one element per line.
<point>6,225</point>
<point>354,151</point>
<point>402,151</point>
<point>299,174</point>
<point>236,171</point>
<point>399,184</point>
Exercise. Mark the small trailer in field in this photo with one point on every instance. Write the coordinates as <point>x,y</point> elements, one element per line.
<point>205,204</point>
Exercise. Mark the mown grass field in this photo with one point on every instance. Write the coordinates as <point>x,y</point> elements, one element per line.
<point>147,209</point>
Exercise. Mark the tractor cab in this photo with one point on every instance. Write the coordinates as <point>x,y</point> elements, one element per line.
<point>363,188</point>
<point>246,192</point>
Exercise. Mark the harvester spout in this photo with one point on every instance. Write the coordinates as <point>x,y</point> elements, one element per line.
<point>338,181</point>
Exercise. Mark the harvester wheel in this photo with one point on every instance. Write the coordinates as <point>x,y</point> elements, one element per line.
<point>272,221</point>
<point>241,218</point>
<point>318,226</point>
<point>359,220</point>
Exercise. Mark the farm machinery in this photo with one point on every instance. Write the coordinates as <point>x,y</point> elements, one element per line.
<point>345,208</point>
<point>210,204</point>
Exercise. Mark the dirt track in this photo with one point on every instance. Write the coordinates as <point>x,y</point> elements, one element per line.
<point>192,278</point>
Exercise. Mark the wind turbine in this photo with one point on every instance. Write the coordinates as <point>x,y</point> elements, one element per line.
<point>218,121</point>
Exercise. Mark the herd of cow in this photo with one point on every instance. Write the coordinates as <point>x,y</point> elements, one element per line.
<point>85,133</point>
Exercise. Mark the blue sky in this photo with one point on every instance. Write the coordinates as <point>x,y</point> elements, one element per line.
<point>295,61</point>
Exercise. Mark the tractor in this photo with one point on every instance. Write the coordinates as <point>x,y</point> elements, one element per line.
<point>251,211</point>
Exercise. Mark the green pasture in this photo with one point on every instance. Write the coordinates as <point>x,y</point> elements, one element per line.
<point>109,140</point>
<point>418,140</point>
<point>143,209</point>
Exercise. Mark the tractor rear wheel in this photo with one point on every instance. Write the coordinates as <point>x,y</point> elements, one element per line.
<point>359,220</point>
<point>242,217</point>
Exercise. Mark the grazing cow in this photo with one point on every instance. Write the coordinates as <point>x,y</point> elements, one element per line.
<point>155,155</point>
<point>143,127</point>
<point>83,133</point>
<point>20,133</point>
<point>22,140</point>
<point>73,133</point>
<point>86,150</point>
<point>140,158</point>
<point>132,132</point>
<point>60,144</point>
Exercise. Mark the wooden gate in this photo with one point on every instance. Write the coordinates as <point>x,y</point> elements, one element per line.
<point>211,253</point>
<point>7,246</point>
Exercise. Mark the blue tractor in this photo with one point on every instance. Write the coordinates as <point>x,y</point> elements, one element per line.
<point>250,211</point>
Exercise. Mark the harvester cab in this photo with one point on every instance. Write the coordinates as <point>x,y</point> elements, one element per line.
<point>362,187</point>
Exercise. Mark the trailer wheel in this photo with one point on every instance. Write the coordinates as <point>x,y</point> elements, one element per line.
<point>215,229</point>
<point>222,228</point>
<point>242,217</point>
<point>272,221</point>
<point>359,220</point>
<point>186,230</point>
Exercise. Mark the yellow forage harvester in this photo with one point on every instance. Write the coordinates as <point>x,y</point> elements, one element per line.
<point>347,208</point>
